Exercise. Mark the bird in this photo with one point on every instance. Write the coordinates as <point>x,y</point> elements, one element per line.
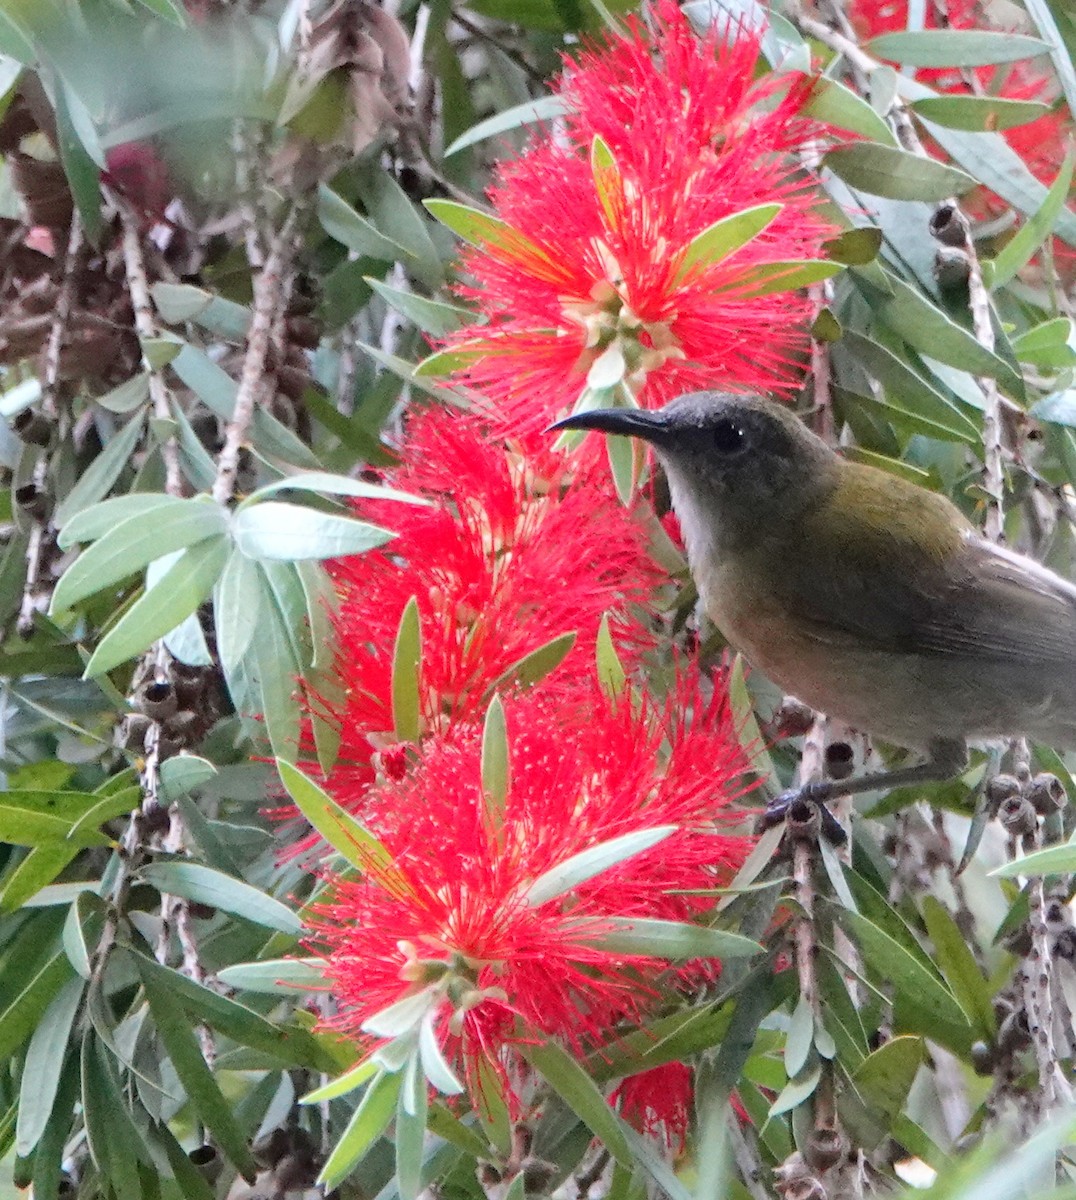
<point>868,597</point>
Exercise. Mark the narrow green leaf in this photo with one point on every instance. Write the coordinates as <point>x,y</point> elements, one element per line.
<point>1051,860</point>
<point>576,1088</point>
<point>202,1090</point>
<point>593,861</point>
<point>43,1067</point>
<point>83,173</point>
<point>183,773</point>
<point>835,104</point>
<point>954,958</point>
<point>746,723</point>
<point>207,886</point>
<point>102,473</point>
<point>766,278</point>
<point>606,175</point>
<point>412,1107</point>
<point>177,594</point>
<point>332,485</point>
<point>899,175</point>
<point>1060,55</point>
<point>484,230</point>
<point>236,609</point>
<point>979,114</point>
<point>884,1078</point>
<point>92,523</point>
<point>725,237</point>
<point>36,871</point>
<point>955,47</point>
<point>282,976</point>
<point>407,676</point>
<point>1018,251</point>
<point>431,316</point>
<point>674,940</point>
<point>127,396</point>
<point>337,826</point>
<point>367,1124</point>
<point>113,1142</point>
<point>348,1082</point>
<point>434,1064</point>
<point>82,931</point>
<point>855,247</point>
<point>133,543</point>
<point>611,674</point>
<point>342,223</point>
<point>546,108</point>
<point>23,1015</point>
<point>290,532</point>
<point>25,827</point>
<point>496,766</point>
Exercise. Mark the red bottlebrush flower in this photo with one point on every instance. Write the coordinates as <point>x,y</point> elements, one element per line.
<point>453,915</point>
<point>516,550</point>
<point>658,1101</point>
<point>593,262</point>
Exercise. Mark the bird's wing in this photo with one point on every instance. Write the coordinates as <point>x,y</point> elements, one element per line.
<point>981,599</point>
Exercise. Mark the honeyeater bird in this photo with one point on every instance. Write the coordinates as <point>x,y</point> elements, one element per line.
<point>872,599</point>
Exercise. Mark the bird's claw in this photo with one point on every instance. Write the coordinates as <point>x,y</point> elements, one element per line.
<point>804,811</point>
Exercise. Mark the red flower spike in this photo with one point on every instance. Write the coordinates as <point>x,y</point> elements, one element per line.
<point>659,1102</point>
<point>507,971</point>
<point>665,136</point>
<point>516,550</point>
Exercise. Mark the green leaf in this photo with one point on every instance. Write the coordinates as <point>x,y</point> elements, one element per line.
<point>534,667</point>
<point>1060,55</point>
<point>766,278</point>
<point>183,773</point>
<point>367,1124</point>
<point>921,324</point>
<point>291,532</point>
<point>611,675</point>
<point>392,211</point>
<point>576,1088</point>
<point>431,316</point>
<point>907,392</point>
<point>593,861</point>
<point>606,176</point>
<point>133,544</point>
<point>546,108</point>
<point>896,174</point>
<point>955,47</point>
<point>275,976</point>
<point>1051,860</point>
<point>23,1015</point>
<point>834,104</point>
<point>337,826</point>
<point>1018,251</point>
<point>26,826</point>
<point>919,989</point>
<point>412,1106</point>
<point>113,1141</point>
<point>82,931</point>
<point>746,724</point>
<point>202,1090</point>
<point>725,237</point>
<point>884,1078</point>
<point>102,473</point>
<point>671,939</point>
<point>855,247</point>
<point>957,963</point>
<point>347,1082</point>
<point>483,230</point>
<point>92,523</point>
<point>496,765</point>
<point>342,223</point>
<point>237,609</point>
<point>127,396</point>
<point>43,1067</point>
<point>36,871</point>
<point>83,173</point>
<point>172,598</point>
<point>289,1043</point>
<point>207,886</point>
<point>407,676</point>
<point>979,113</point>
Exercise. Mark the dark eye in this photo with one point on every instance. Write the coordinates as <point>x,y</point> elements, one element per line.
<point>726,435</point>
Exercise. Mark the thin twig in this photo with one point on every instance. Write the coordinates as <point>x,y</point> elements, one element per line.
<point>268,287</point>
<point>134,263</point>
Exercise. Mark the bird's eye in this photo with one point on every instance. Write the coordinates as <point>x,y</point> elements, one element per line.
<point>727,436</point>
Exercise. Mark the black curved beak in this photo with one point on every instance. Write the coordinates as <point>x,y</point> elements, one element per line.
<point>629,422</point>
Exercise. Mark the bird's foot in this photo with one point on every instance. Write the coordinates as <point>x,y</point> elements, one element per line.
<point>804,811</point>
